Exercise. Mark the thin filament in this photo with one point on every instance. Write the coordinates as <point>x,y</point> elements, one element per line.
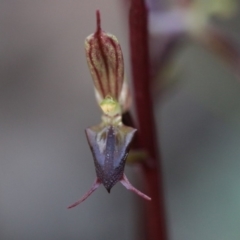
<point>95,185</point>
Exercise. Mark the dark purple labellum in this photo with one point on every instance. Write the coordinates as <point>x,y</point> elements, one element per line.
<point>110,148</point>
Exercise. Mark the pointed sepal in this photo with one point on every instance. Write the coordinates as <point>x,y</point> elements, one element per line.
<point>94,187</point>
<point>125,182</point>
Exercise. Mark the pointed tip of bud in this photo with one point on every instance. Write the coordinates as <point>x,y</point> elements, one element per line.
<point>98,17</point>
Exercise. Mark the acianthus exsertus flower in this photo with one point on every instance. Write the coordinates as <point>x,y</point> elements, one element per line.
<point>110,140</point>
<point>192,19</point>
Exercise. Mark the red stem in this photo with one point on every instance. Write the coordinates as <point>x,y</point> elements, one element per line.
<point>98,21</point>
<point>155,213</point>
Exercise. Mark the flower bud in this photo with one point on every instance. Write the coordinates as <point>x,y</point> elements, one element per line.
<point>105,61</point>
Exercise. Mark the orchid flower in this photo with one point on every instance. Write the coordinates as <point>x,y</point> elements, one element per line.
<point>110,140</point>
<point>193,18</point>
<point>190,16</point>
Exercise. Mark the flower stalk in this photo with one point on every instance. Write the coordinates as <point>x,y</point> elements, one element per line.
<point>155,211</point>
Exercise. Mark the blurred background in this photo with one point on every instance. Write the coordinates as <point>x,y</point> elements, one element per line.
<point>47,100</point>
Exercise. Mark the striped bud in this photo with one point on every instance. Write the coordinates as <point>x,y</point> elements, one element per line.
<point>105,61</point>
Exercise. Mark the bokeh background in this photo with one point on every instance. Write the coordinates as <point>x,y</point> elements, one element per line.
<point>47,100</point>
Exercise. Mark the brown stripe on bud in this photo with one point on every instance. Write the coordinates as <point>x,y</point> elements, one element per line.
<point>105,61</point>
